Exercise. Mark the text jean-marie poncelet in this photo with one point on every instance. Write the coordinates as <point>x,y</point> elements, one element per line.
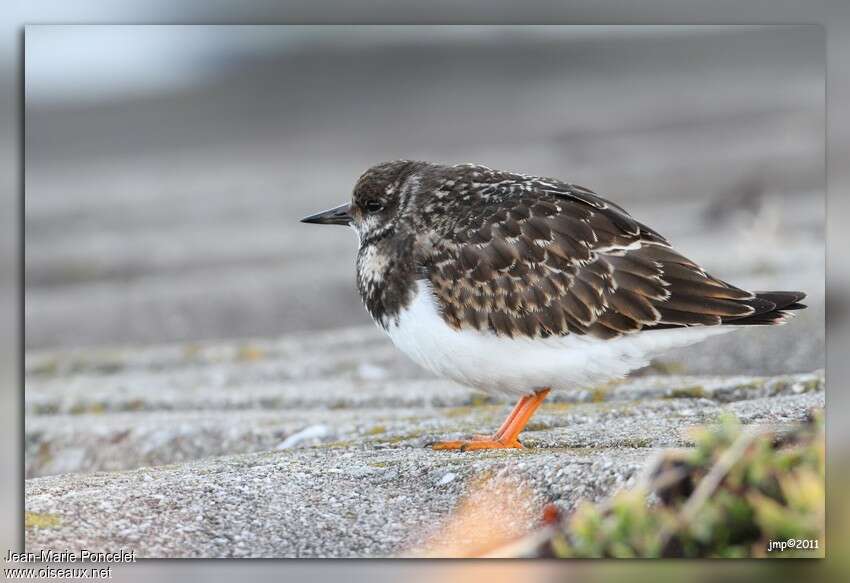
<point>69,556</point>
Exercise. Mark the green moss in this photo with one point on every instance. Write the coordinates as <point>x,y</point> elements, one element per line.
<point>811,385</point>
<point>479,399</point>
<point>191,351</point>
<point>470,410</point>
<point>556,407</point>
<point>41,520</point>
<point>89,408</point>
<point>770,490</point>
<point>46,409</point>
<point>457,411</point>
<point>45,456</point>
<point>637,442</point>
<point>135,405</point>
<point>376,430</point>
<point>48,367</point>
<point>343,443</point>
<point>668,367</point>
<point>249,353</point>
<point>692,392</point>
<point>105,367</point>
<point>598,395</point>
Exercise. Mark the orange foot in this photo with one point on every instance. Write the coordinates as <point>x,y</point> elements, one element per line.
<point>508,434</point>
<point>470,444</point>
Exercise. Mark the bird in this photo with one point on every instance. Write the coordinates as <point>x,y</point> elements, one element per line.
<point>518,285</point>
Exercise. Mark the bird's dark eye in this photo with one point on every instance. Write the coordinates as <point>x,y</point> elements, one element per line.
<point>374,206</point>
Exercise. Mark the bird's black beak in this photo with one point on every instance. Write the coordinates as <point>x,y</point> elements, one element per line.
<point>340,215</point>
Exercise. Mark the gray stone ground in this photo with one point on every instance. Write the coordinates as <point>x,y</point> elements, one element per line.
<point>316,445</point>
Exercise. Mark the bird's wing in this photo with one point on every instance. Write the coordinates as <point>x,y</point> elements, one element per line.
<point>552,259</point>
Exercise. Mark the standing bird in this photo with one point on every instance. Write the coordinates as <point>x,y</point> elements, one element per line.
<point>517,285</point>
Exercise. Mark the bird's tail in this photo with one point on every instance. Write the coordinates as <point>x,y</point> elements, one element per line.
<point>771,308</point>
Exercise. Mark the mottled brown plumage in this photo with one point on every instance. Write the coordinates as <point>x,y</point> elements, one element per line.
<point>534,257</point>
<point>525,256</point>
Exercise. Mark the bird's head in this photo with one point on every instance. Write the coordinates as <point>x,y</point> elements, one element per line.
<point>378,202</point>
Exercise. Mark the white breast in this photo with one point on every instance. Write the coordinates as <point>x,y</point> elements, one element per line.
<point>507,366</point>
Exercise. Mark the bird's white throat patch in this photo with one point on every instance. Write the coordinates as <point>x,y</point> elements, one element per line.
<point>372,265</point>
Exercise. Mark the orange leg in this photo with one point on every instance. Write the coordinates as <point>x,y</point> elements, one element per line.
<point>508,433</point>
<point>521,404</point>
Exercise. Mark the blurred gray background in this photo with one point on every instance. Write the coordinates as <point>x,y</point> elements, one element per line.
<point>167,167</point>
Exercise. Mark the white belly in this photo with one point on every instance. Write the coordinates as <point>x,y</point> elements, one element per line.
<point>515,366</point>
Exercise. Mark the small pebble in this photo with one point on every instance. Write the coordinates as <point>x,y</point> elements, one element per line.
<point>449,477</point>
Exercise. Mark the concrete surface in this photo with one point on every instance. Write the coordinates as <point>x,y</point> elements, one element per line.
<point>316,445</point>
